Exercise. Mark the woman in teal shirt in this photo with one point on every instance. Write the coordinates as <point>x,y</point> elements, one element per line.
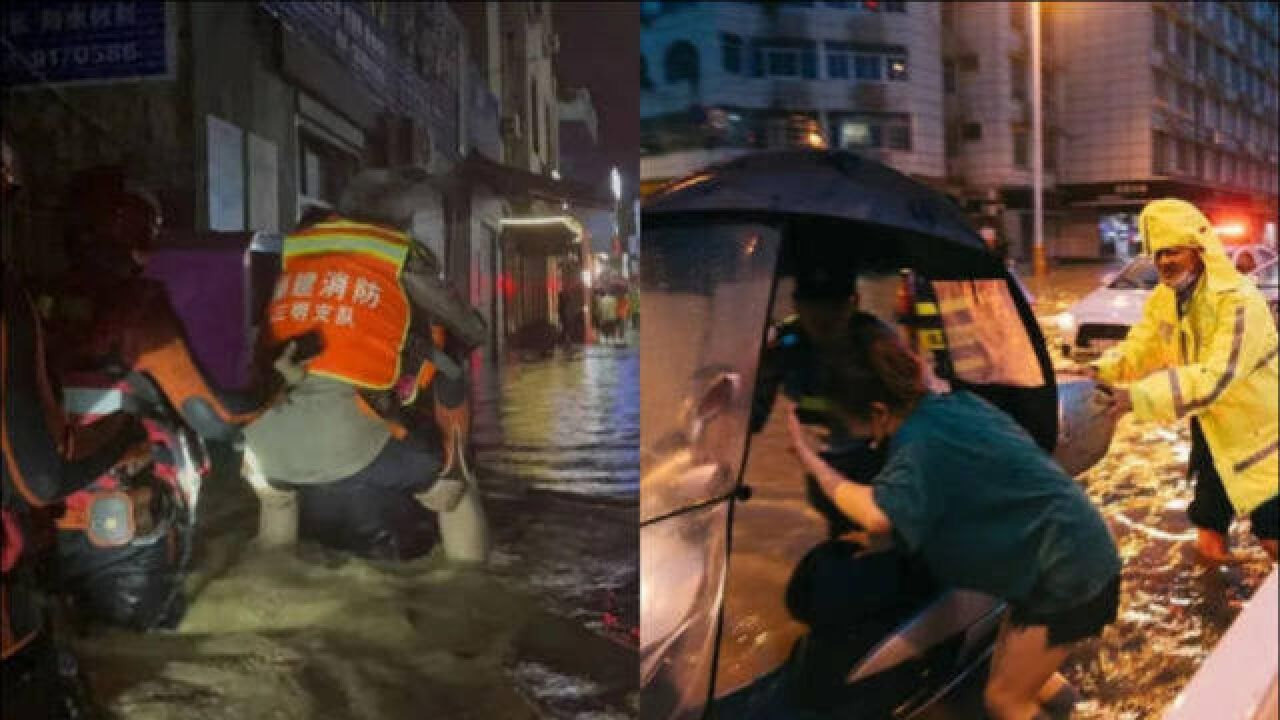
<point>970,491</point>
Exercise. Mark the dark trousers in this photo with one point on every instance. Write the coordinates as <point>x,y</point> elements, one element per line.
<point>373,513</point>
<point>1210,507</point>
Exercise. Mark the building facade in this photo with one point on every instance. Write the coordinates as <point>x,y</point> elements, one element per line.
<point>722,78</point>
<point>240,116</point>
<point>1166,99</point>
<point>987,104</point>
<point>1139,100</point>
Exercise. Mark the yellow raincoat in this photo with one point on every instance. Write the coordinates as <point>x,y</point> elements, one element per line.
<point>1216,362</point>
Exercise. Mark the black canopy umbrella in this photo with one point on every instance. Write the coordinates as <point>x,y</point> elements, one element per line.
<point>833,196</point>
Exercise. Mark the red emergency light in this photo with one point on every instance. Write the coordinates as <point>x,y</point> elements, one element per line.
<point>1232,231</point>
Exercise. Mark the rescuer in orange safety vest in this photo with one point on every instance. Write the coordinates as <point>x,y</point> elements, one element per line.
<point>389,327</point>
<point>110,326</point>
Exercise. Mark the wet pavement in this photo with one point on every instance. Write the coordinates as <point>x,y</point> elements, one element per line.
<point>1173,609</point>
<point>557,451</point>
<point>544,632</point>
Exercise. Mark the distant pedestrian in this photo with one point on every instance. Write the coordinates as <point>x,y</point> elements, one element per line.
<point>623,314</point>
<point>608,314</point>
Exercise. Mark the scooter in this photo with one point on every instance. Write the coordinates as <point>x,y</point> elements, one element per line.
<point>717,245</point>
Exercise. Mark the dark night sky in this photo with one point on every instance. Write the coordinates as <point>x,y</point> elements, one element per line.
<point>600,50</point>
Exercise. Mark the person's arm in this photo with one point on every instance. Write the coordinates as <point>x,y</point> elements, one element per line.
<point>853,499</point>
<point>440,302</point>
<point>156,346</point>
<point>32,460</point>
<point>1133,357</point>
<point>1243,336</point>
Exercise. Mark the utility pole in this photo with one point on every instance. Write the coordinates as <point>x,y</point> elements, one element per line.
<point>1039,262</point>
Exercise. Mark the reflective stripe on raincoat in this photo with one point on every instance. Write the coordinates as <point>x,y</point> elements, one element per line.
<point>1217,362</point>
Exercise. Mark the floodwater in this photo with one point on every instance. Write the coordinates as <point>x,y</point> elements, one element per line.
<point>1173,610</point>
<point>545,632</point>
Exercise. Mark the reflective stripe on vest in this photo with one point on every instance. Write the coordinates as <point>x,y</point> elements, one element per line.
<point>342,279</point>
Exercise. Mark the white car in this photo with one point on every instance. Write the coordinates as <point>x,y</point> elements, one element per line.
<point>1103,317</point>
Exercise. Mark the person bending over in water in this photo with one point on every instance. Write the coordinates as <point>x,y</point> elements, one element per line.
<point>970,491</point>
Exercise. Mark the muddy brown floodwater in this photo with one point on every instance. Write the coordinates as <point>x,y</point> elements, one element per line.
<point>313,634</point>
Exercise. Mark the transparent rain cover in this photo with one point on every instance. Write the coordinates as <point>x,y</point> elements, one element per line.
<point>705,293</point>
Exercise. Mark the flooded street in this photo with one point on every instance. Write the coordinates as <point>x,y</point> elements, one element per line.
<point>545,632</point>
<point>1173,609</point>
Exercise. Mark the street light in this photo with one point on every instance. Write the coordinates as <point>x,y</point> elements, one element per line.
<point>1038,260</point>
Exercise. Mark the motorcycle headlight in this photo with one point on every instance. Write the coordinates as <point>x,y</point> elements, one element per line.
<point>1066,322</point>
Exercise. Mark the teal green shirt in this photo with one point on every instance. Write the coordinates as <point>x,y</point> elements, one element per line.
<point>967,488</point>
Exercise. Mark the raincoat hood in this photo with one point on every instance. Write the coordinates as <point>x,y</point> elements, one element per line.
<point>1170,222</point>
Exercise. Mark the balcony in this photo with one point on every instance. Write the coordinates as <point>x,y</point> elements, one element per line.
<point>868,28</point>
<point>790,22</point>
<point>869,96</point>
<point>792,94</point>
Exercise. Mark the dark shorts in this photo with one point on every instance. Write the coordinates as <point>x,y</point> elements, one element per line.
<point>1077,623</point>
<point>407,465</point>
<point>373,513</point>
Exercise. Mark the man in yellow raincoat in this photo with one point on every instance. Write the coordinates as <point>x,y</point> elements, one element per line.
<point>1205,348</point>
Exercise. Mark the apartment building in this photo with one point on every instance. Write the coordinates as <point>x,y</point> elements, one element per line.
<point>1166,99</point>
<point>1139,100</point>
<point>721,78</point>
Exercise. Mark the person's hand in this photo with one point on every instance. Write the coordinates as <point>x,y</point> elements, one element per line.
<point>1086,370</point>
<point>289,366</point>
<point>1121,403</point>
<point>801,443</point>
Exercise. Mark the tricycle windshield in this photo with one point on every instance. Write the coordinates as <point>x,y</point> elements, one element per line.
<point>706,290</point>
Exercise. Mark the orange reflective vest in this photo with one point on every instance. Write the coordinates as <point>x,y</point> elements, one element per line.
<point>342,279</point>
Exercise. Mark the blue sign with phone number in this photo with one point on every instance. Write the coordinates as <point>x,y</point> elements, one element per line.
<point>64,42</point>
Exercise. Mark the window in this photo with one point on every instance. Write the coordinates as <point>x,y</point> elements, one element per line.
<point>949,76</point>
<point>1159,153</point>
<point>1020,151</point>
<point>1184,98</point>
<point>867,67</point>
<point>731,53</point>
<point>324,169</point>
<point>1182,41</point>
<point>897,67</point>
<point>645,82</point>
<point>1160,82</point>
<point>1202,53</point>
<point>952,140</point>
<point>779,57</point>
<point>1018,79</point>
<point>1199,161</point>
<point>895,7</point>
<point>837,65</point>
<point>899,135</point>
<point>681,63</point>
<point>1184,156</point>
<point>972,131</point>
<point>969,63</point>
<point>874,130</point>
<point>1159,30</point>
